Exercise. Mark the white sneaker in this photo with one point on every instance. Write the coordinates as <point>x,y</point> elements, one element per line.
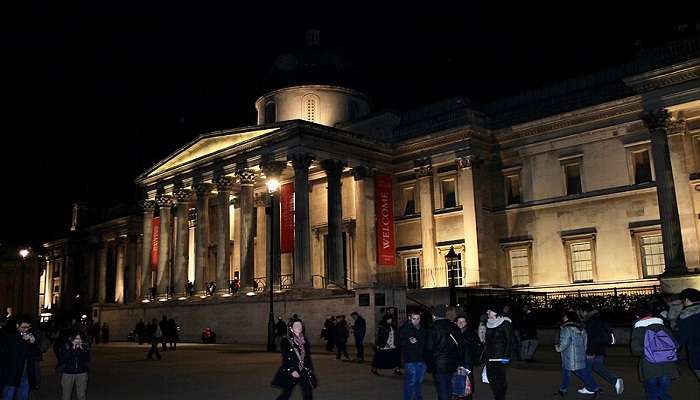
<point>585,391</point>
<point>619,386</point>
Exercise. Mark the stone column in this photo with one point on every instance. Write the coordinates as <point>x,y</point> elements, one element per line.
<point>91,273</point>
<point>131,261</point>
<point>102,273</point>
<point>148,207</point>
<point>273,170</point>
<point>657,121</point>
<point>120,250</point>
<point>262,251</point>
<point>201,235</point>
<point>182,251</point>
<point>430,274</point>
<point>366,237</point>
<point>302,231</point>
<point>48,281</point>
<point>223,249</point>
<point>336,270</point>
<point>470,209</point>
<point>247,245</point>
<point>165,203</point>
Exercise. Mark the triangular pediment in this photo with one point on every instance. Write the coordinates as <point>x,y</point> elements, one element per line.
<point>205,146</point>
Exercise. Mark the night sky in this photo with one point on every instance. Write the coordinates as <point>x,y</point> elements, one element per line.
<point>96,92</point>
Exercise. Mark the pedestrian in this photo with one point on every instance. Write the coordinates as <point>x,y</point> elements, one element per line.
<point>443,351</point>
<point>174,335</point>
<point>572,346</point>
<point>499,347</point>
<point>689,327</point>
<point>481,330</point>
<point>656,348</point>
<point>359,330</point>
<point>528,334</point>
<point>140,331</point>
<point>386,355</point>
<point>17,352</point>
<point>280,331</point>
<point>75,358</point>
<point>340,337</point>
<point>412,341</point>
<point>327,332</point>
<point>674,306</point>
<point>296,367</point>
<point>165,332</point>
<point>105,333</point>
<point>95,332</point>
<point>472,348</point>
<point>600,336</point>
<point>155,335</point>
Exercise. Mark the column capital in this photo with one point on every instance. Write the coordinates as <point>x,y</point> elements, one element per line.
<point>273,168</point>
<point>656,119</point>
<point>333,167</point>
<point>467,161</point>
<point>203,189</point>
<point>261,199</point>
<point>361,172</point>
<point>183,195</point>
<point>223,183</point>
<point>164,201</point>
<point>236,202</point>
<point>246,176</point>
<point>423,170</point>
<point>148,206</point>
<point>301,160</point>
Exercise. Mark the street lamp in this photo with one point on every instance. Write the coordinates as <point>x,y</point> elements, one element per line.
<point>24,253</point>
<point>451,259</point>
<point>273,186</point>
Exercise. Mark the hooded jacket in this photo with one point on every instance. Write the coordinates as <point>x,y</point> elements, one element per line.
<point>598,334</point>
<point>689,333</point>
<point>443,347</point>
<point>648,370</point>
<point>499,338</point>
<point>572,346</point>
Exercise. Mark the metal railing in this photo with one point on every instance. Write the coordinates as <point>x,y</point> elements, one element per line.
<point>260,283</point>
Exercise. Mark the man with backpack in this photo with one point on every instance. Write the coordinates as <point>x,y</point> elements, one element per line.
<point>656,348</point>
<point>600,336</point>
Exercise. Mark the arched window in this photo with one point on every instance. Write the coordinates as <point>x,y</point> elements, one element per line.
<point>270,113</point>
<point>353,110</point>
<point>310,108</point>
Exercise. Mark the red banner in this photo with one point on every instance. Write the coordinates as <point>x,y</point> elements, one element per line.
<point>287,218</point>
<point>155,242</point>
<point>384,214</point>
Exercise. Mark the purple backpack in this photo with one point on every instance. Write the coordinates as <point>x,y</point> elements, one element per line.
<point>659,347</point>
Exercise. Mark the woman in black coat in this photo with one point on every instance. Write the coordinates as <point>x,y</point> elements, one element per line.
<point>499,345</point>
<point>297,367</point>
<point>387,355</point>
<point>17,354</point>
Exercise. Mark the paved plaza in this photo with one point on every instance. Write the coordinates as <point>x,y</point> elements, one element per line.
<point>194,371</point>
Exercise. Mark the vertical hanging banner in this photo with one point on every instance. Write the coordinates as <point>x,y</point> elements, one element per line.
<point>384,214</point>
<point>287,218</point>
<point>155,242</point>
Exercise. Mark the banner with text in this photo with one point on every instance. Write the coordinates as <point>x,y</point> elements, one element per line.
<point>155,242</point>
<point>384,214</point>
<point>287,218</point>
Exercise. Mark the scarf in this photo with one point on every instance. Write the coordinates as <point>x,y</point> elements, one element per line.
<point>493,323</point>
<point>300,342</point>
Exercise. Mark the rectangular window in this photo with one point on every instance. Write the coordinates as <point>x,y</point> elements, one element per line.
<point>652,254</point>
<point>512,189</point>
<point>449,198</point>
<point>409,200</point>
<point>454,271</point>
<point>519,266</point>
<point>581,255</point>
<point>572,178</point>
<point>413,273</point>
<point>642,166</point>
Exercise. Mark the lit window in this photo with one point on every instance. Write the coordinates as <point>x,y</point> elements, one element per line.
<point>513,189</point>
<point>519,259</point>
<point>449,198</point>
<point>642,166</point>
<point>310,109</point>
<point>581,256</point>
<point>270,113</point>
<point>454,271</point>
<point>652,254</point>
<point>572,178</point>
<point>413,273</point>
<point>409,200</point>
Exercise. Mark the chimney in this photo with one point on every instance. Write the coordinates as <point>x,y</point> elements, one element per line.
<point>313,37</point>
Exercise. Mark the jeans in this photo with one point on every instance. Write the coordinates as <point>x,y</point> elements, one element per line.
<point>153,349</point>
<point>443,385</point>
<point>583,374</point>
<point>79,381</point>
<point>527,349</point>
<point>413,380</point>
<point>496,372</point>
<point>595,364</point>
<point>657,388</point>
<point>360,345</point>
<point>341,348</point>
<point>8,392</point>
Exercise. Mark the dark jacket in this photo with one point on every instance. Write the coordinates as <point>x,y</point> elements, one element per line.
<point>327,331</point>
<point>359,330</point>
<point>689,333</point>
<point>598,334</point>
<point>383,334</point>
<point>412,352</point>
<point>15,353</point>
<point>472,349</point>
<point>443,348</point>
<point>648,370</point>
<point>290,363</point>
<point>74,361</point>
<point>527,326</point>
<point>340,332</point>
<point>499,338</point>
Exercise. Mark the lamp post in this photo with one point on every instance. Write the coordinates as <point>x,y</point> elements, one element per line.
<point>272,187</point>
<point>22,253</point>
<point>451,259</point>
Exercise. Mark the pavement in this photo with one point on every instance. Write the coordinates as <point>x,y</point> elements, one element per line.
<point>121,371</point>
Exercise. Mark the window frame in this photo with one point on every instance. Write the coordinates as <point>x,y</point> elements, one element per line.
<point>507,248</point>
<point>447,177</point>
<point>317,108</point>
<point>632,149</point>
<point>637,235</point>
<point>401,206</point>
<point>568,241</point>
<point>406,258</point>
<point>265,112</point>
<point>460,250</point>
<point>569,161</point>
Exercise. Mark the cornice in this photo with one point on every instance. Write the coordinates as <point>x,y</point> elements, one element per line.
<point>664,77</point>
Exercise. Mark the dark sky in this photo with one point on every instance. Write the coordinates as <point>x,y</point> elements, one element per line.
<point>95,92</point>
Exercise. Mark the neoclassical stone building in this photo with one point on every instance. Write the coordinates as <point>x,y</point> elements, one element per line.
<point>592,183</point>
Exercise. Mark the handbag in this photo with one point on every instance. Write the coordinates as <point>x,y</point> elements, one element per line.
<point>461,385</point>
